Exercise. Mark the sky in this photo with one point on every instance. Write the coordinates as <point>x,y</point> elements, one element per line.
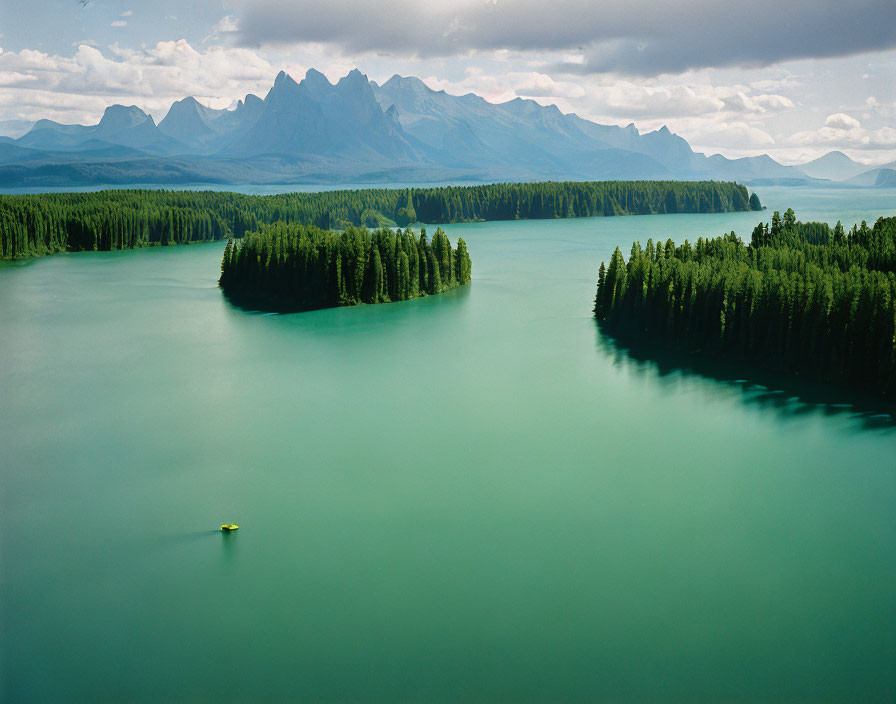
<point>792,79</point>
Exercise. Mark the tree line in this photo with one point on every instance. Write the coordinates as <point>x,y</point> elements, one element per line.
<point>801,297</point>
<point>46,223</point>
<point>289,266</point>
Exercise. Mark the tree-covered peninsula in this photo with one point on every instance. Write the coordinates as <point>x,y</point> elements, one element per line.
<point>801,298</point>
<point>46,223</point>
<point>292,267</point>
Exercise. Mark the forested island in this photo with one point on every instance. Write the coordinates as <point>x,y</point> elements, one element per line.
<point>46,223</point>
<point>293,267</point>
<point>801,298</point>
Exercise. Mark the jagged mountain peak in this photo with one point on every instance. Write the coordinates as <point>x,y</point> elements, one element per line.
<point>283,83</point>
<point>392,116</point>
<point>355,80</point>
<point>407,83</point>
<point>188,107</point>
<point>526,107</point>
<point>249,101</point>
<point>312,74</point>
<point>357,122</point>
<point>123,117</point>
<point>315,117</point>
<point>315,77</point>
<point>316,84</point>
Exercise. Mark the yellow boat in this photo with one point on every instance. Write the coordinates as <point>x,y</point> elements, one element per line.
<point>227,527</point>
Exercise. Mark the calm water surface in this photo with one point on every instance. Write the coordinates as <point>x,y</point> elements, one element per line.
<point>472,497</point>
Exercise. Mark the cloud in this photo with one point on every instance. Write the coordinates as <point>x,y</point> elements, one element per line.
<point>632,100</point>
<point>839,121</point>
<point>223,31</point>
<point>842,130</point>
<point>737,132</point>
<point>501,87</point>
<point>226,25</point>
<point>767,84</point>
<point>623,98</point>
<point>126,13</point>
<point>34,84</point>
<point>540,85</point>
<point>640,37</point>
<point>120,23</point>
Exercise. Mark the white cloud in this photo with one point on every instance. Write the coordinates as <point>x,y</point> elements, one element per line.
<point>767,103</point>
<point>126,13</point>
<point>34,85</point>
<point>634,100</point>
<point>120,23</point>
<point>718,133</point>
<point>500,88</point>
<point>628,100</point>
<point>223,31</point>
<point>842,130</point>
<point>767,84</point>
<point>737,132</point>
<point>841,121</point>
<point>226,25</point>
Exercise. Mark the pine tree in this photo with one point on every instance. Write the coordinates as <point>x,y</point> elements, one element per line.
<point>462,267</point>
<point>225,262</point>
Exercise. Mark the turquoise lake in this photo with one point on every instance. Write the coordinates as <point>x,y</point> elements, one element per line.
<point>473,497</point>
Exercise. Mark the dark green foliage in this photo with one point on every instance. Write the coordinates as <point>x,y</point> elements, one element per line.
<point>754,202</point>
<point>288,266</point>
<point>35,225</point>
<point>800,298</point>
<point>462,268</point>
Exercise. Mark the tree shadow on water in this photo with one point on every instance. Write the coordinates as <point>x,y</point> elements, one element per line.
<point>259,305</point>
<point>788,395</point>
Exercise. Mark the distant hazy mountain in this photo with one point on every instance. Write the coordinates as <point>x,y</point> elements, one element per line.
<point>518,139</point>
<point>880,175</point>
<point>201,128</point>
<point>317,118</point>
<point>359,131</point>
<point>835,166</point>
<point>468,131</point>
<point>120,125</point>
<point>47,134</point>
<point>886,177</point>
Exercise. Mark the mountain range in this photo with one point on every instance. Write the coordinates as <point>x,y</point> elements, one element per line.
<point>358,131</point>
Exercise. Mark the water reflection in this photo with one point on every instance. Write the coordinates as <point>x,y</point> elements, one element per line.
<point>786,395</point>
<point>177,539</point>
<point>228,544</point>
<point>238,304</point>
